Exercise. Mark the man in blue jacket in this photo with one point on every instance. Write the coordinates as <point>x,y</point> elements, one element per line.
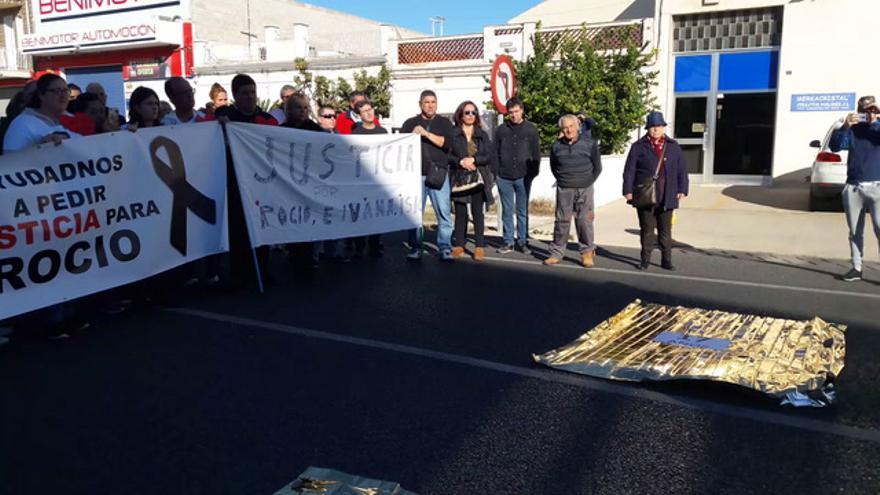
<point>576,164</point>
<point>860,135</point>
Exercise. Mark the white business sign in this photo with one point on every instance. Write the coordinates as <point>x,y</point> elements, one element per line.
<point>83,25</point>
<point>299,186</point>
<point>98,212</point>
<point>90,12</point>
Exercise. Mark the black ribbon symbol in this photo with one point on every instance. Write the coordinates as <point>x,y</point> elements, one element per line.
<point>186,197</point>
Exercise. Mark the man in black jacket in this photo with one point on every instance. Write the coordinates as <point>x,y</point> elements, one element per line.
<point>576,163</point>
<point>519,151</point>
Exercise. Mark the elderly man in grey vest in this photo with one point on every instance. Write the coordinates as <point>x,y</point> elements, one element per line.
<point>576,163</point>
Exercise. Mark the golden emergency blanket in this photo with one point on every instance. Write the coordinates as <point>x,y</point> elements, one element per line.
<point>793,360</point>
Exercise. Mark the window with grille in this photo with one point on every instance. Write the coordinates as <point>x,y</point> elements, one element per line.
<point>727,30</point>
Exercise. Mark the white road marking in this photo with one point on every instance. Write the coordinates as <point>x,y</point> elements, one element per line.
<point>690,278</point>
<point>609,387</point>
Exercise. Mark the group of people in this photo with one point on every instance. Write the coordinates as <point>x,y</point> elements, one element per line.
<point>461,165</point>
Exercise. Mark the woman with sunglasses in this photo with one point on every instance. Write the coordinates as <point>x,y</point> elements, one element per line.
<point>471,170</point>
<point>40,122</point>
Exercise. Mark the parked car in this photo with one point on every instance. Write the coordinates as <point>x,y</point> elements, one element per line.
<point>828,174</point>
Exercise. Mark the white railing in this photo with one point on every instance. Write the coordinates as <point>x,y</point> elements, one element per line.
<point>20,62</point>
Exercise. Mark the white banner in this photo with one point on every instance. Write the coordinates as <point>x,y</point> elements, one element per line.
<point>299,186</point>
<point>102,211</point>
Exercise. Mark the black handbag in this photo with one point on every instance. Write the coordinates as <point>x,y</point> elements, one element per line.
<point>466,182</point>
<point>438,173</point>
<point>645,192</point>
<point>437,176</point>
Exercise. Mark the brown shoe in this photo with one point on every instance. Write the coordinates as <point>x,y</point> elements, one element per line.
<point>457,252</point>
<point>479,254</point>
<point>587,260</point>
<point>552,261</point>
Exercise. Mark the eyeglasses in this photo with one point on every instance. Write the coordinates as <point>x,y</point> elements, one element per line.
<point>471,112</point>
<point>58,91</point>
<point>329,116</point>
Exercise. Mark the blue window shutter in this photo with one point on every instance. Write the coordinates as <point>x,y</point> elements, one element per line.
<point>693,73</point>
<point>745,71</point>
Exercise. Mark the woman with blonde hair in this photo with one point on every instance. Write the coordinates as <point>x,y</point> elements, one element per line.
<point>218,96</point>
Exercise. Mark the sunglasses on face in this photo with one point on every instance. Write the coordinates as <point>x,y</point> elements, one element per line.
<point>471,112</point>
<point>59,91</point>
<point>328,116</point>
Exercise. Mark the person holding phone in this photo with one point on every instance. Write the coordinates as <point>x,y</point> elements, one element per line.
<point>860,134</point>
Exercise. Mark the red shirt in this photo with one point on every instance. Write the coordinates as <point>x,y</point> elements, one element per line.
<point>345,124</point>
<point>658,145</point>
<point>661,172</point>
<point>79,123</point>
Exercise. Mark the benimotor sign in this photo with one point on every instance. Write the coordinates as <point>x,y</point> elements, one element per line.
<point>47,11</point>
<point>88,25</point>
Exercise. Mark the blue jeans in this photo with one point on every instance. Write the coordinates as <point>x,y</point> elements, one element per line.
<point>442,203</point>
<point>514,191</point>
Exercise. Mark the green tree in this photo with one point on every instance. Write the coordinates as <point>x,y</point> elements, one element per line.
<point>570,75</point>
<point>335,94</point>
<point>377,88</point>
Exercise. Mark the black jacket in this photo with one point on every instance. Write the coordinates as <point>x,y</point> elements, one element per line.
<point>641,163</point>
<point>484,159</point>
<point>306,125</point>
<point>576,165</point>
<point>431,154</point>
<point>518,149</point>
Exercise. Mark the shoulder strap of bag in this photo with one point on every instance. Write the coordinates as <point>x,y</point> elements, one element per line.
<point>660,162</point>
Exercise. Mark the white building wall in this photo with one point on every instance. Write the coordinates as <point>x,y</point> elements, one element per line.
<point>451,90</point>
<point>607,189</point>
<point>819,54</point>
<point>454,81</point>
<point>568,12</point>
<point>222,22</point>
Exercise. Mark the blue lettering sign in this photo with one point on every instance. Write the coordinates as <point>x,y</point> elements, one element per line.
<point>823,102</point>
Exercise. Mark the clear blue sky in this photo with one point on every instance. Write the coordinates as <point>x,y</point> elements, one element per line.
<point>462,16</point>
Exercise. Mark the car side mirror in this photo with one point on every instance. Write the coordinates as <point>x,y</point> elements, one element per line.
<point>815,143</point>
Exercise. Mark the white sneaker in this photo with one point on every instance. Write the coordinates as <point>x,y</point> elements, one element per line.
<point>414,255</point>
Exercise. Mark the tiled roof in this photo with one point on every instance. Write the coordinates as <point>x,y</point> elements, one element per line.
<point>442,50</point>
<point>505,31</point>
<point>602,37</point>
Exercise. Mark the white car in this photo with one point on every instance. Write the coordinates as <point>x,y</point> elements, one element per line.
<point>828,175</point>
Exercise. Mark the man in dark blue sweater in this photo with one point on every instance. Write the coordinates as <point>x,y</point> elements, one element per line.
<point>576,163</point>
<point>860,134</point>
<point>518,149</point>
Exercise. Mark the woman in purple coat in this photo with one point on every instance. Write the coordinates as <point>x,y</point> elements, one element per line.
<point>655,150</point>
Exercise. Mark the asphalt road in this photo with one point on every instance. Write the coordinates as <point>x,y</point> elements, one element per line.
<point>422,374</point>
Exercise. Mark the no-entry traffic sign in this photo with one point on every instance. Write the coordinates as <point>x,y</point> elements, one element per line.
<point>502,82</point>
